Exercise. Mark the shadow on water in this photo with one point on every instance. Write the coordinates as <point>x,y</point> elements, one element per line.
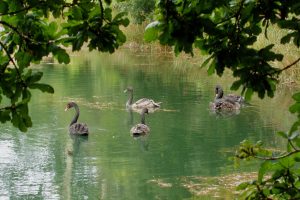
<point>77,142</point>
<point>143,141</point>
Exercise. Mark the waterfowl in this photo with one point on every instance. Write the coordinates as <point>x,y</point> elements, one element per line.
<point>75,127</point>
<point>227,103</point>
<point>230,97</point>
<point>224,105</point>
<point>141,128</point>
<point>141,103</point>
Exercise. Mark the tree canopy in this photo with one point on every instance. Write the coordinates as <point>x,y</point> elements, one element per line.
<point>32,29</point>
<point>226,31</point>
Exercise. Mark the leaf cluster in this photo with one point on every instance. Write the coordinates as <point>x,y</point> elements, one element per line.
<point>226,30</point>
<point>279,174</point>
<point>33,29</point>
<point>139,10</point>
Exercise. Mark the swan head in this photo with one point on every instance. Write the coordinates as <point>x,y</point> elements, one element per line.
<point>128,89</point>
<point>70,105</point>
<point>218,92</point>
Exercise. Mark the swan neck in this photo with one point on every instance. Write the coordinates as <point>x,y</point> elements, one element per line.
<point>74,120</point>
<point>130,98</point>
<point>219,94</point>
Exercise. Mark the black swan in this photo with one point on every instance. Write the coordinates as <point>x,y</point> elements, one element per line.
<point>141,128</point>
<point>141,103</point>
<point>227,103</point>
<point>230,97</point>
<point>76,128</point>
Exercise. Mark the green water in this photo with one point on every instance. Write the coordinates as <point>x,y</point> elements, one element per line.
<point>186,139</point>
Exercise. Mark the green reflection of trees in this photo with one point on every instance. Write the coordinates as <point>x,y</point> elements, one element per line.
<point>228,32</point>
<point>31,30</point>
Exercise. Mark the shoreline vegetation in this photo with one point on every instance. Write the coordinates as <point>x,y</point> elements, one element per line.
<point>288,78</point>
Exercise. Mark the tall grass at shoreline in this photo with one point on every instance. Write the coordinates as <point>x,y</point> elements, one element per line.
<point>290,77</point>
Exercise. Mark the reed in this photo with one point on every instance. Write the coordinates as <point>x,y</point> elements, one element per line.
<point>273,35</point>
<point>291,53</point>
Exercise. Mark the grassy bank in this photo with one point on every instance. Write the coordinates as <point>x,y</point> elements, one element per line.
<point>290,77</point>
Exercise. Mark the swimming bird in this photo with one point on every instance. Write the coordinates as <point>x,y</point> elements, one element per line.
<point>230,97</point>
<point>141,103</point>
<point>224,105</point>
<point>227,103</point>
<point>141,128</point>
<point>75,127</point>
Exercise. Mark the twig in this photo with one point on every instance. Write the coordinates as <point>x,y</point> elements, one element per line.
<point>102,10</point>
<point>292,145</point>
<point>18,11</point>
<point>290,65</point>
<point>278,157</point>
<point>13,62</point>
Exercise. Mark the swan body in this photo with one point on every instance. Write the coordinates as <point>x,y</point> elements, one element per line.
<point>141,128</point>
<point>230,102</point>
<point>224,105</point>
<point>75,127</point>
<point>141,103</point>
<point>230,97</point>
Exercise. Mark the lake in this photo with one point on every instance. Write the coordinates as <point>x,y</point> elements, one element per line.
<point>187,144</point>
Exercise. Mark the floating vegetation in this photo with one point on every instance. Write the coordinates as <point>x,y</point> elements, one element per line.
<point>219,187</point>
<point>223,187</point>
<point>95,105</point>
<point>160,183</point>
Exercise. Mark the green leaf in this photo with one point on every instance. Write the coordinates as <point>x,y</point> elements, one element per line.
<point>236,84</point>
<point>52,28</point>
<point>282,134</point>
<point>76,13</point>
<point>294,135</point>
<point>151,31</point>
<point>4,116</point>
<point>107,14</point>
<point>34,77</point>
<point>42,87</point>
<point>294,127</point>
<point>264,167</point>
<point>62,56</point>
<point>287,38</point>
<point>295,108</point>
<point>23,59</point>
<point>120,15</point>
<point>297,159</point>
<point>242,186</point>
<point>287,162</point>
<point>211,68</point>
<point>296,96</point>
<point>3,7</point>
<point>248,94</point>
<point>206,62</point>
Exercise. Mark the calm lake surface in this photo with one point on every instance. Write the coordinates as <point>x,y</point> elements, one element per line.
<point>186,139</point>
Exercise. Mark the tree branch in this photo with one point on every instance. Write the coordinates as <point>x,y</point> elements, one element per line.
<point>278,157</point>
<point>101,9</point>
<point>25,37</point>
<point>18,11</point>
<point>290,65</point>
<point>13,62</point>
<point>292,145</point>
